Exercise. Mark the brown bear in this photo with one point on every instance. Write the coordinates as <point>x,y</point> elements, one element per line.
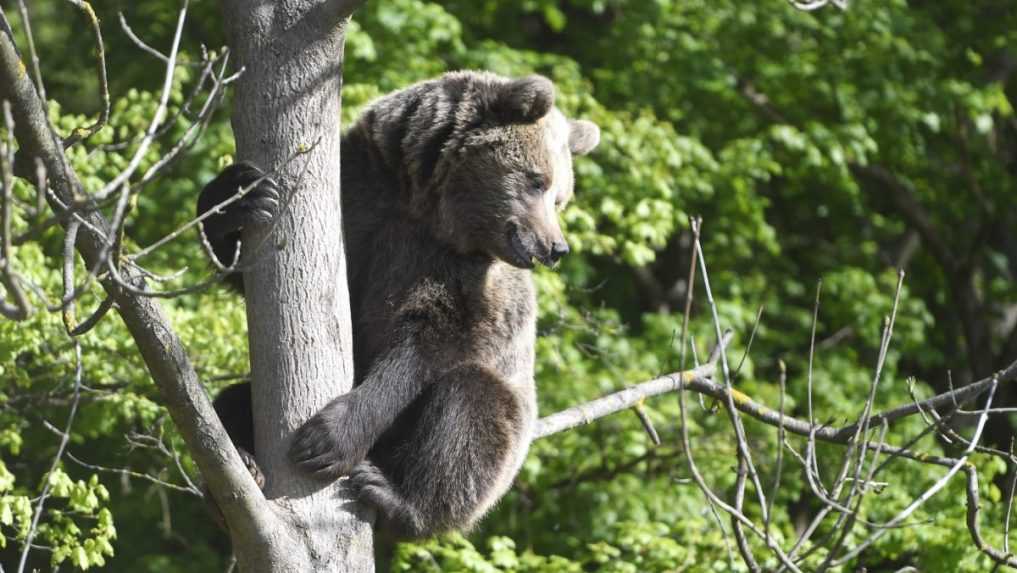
<point>451,190</point>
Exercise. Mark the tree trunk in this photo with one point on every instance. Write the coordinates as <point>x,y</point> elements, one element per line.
<point>288,101</point>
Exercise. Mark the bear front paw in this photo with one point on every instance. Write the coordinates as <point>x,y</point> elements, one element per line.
<point>330,444</point>
<point>258,205</point>
<point>261,202</point>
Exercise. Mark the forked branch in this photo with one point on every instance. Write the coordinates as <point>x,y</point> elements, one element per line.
<point>864,456</point>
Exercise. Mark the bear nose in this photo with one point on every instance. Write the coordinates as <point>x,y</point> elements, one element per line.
<point>558,250</point>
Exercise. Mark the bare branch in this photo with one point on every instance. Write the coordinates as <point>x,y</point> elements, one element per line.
<point>19,309</point>
<point>810,5</point>
<point>64,438</point>
<point>940,484</point>
<point>33,55</point>
<point>733,414</point>
<point>238,496</point>
<point>100,65</point>
<point>621,400</point>
<point>696,381</point>
<point>138,41</point>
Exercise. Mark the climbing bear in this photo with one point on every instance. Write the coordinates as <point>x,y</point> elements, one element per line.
<point>451,190</point>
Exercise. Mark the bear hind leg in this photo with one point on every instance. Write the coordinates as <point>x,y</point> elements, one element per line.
<point>448,456</point>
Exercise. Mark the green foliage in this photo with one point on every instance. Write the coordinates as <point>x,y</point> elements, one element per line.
<point>754,115</point>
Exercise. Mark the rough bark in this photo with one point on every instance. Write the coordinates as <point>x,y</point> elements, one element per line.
<point>161,349</point>
<point>288,101</point>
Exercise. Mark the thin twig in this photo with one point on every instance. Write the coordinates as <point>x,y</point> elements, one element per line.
<point>189,489</point>
<point>94,318</point>
<point>733,414</point>
<point>736,527</point>
<point>83,133</point>
<point>138,41</point>
<point>694,224</point>
<point>32,53</point>
<point>160,113</point>
<point>78,369</point>
<point>782,379</point>
<point>712,497</point>
<point>812,352</point>
<point>940,484</point>
<point>748,345</point>
<point>644,420</point>
<point>19,308</point>
<point>1009,504</point>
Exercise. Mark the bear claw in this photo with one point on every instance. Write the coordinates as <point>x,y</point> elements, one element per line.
<point>252,466</point>
<point>327,445</point>
<point>258,205</point>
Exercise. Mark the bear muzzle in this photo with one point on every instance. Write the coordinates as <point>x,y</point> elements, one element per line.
<point>521,247</point>
<point>525,246</point>
<point>558,250</point>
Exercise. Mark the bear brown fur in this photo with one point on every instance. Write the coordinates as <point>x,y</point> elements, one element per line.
<point>450,192</point>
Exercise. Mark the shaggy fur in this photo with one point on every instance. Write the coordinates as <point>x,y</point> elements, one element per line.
<point>450,191</point>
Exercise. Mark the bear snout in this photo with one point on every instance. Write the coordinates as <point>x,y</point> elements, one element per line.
<point>558,250</point>
<point>526,245</point>
<point>553,252</point>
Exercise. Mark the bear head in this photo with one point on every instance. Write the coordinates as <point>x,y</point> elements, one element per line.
<point>506,173</point>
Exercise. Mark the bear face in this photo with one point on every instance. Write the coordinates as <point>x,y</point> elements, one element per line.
<point>503,188</point>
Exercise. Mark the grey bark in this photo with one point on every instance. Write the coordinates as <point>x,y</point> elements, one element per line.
<point>288,100</point>
<point>239,498</point>
<point>300,332</point>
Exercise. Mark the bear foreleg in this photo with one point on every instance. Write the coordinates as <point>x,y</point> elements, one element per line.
<point>338,437</point>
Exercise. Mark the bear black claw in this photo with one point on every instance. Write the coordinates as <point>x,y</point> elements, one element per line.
<point>210,503</point>
<point>366,474</point>
<point>328,445</point>
<point>252,466</point>
<point>371,486</point>
<point>257,206</point>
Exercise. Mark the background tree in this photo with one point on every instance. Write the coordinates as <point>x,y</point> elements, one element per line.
<point>824,144</point>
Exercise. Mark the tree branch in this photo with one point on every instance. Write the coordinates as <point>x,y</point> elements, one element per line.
<point>699,380</point>
<point>161,349</point>
<point>19,308</point>
<point>623,399</point>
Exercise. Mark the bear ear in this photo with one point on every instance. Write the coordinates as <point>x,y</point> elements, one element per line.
<point>583,136</point>
<point>524,100</point>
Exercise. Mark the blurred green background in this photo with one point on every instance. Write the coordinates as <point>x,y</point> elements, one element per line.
<point>833,144</point>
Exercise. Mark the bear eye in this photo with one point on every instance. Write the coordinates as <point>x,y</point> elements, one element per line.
<point>538,182</point>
